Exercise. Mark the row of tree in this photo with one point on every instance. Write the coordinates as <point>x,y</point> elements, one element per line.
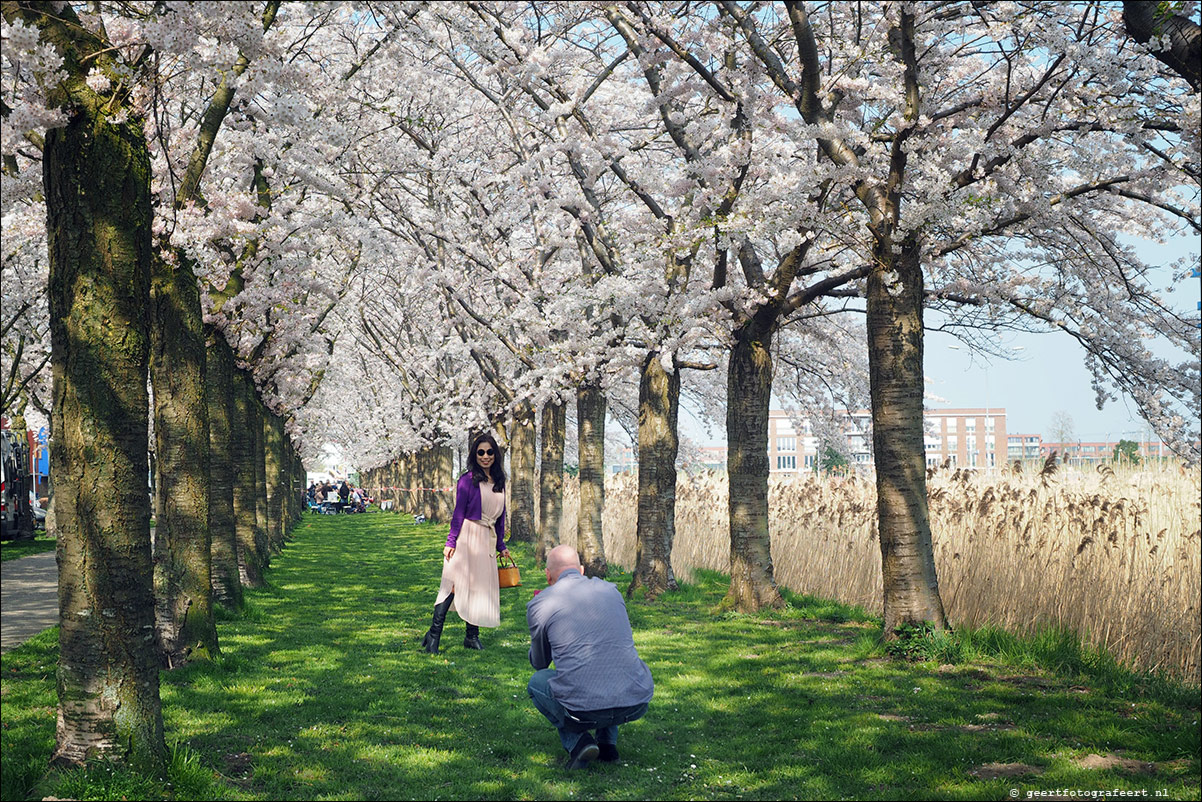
<point>125,324</point>
<point>968,159</point>
<point>386,224</point>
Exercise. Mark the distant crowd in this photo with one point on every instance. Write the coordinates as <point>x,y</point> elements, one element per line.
<point>336,497</point>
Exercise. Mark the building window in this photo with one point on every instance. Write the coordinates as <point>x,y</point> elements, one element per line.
<point>786,444</point>
<point>951,443</point>
<point>809,461</point>
<point>786,462</point>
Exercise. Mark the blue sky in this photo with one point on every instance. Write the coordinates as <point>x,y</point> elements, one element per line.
<point>1048,375</point>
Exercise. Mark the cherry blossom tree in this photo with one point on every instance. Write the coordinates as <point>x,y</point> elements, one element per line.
<point>391,224</point>
<point>99,282</point>
<point>586,144</point>
<point>1179,37</point>
<point>961,132</point>
<point>92,73</point>
<point>183,535</point>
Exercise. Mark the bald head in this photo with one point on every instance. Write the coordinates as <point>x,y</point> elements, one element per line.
<point>560,559</point>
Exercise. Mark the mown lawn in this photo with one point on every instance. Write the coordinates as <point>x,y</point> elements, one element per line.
<point>16,549</point>
<point>320,693</point>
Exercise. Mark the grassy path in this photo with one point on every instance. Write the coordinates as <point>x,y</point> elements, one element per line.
<point>321,694</point>
<point>16,549</point>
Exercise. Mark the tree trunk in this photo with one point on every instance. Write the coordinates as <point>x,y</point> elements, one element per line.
<point>285,478</point>
<point>895,289</point>
<point>550,494</point>
<point>521,465</point>
<point>590,416</point>
<point>297,497</point>
<point>444,482</point>
<point>288,478</point>
<point>251,561</point>
<point>1145,20</point>
<point>25,481</point>
<point>97,182</point>
<point>398,481</point>
<point>659,405</point>
<point>259,422</point>
<point>219,389</point>
<point>426,482</point>
<point>748,396</point>
<point>273,466</point>
<point>408,484</point>
<point>182,569</point>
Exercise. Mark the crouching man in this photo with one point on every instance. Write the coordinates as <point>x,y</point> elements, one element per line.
<point>598,681</point>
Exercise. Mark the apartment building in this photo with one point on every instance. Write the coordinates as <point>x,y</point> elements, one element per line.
<point>1024,447</point>
<point>1092,454</point>
<point>966,438</point>
<point>791,448</point>
<point>961,437</point>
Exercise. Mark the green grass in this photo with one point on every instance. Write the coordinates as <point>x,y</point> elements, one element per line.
<point>320,693</point>
<point>16,549</point>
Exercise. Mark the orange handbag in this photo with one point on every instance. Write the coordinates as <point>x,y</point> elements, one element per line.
<point>508,576</point>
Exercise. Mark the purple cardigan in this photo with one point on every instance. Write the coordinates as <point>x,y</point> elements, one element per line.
<point>467,507</point>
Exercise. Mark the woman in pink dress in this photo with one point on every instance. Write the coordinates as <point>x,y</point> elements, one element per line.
<point>469,568</point>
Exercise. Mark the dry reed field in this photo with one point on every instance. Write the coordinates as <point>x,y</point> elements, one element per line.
<point>1112,555</point>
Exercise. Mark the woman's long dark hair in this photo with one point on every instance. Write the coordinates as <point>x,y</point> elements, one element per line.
<point>478,475</point>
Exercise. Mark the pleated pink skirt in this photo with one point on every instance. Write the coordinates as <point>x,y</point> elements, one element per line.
<point>471,574</point>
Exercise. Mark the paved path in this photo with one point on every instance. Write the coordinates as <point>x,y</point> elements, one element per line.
<point>28,598</point>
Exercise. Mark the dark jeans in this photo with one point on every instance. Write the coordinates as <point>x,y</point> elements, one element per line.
<point>573,724</point>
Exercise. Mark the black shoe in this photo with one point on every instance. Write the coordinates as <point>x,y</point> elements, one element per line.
<point>472,639</point>
<point>585,752</point>
<point>430,641</point>
<point>607,753</point>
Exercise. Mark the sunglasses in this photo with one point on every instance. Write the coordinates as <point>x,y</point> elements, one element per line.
<point>481,452</point>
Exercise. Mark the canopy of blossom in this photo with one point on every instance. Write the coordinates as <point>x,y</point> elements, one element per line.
<point>417,216</point>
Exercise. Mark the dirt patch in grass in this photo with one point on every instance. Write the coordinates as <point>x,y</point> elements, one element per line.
<point>975,729</point>
<point>998,771</point>
<point>1031,681</point>
<point>238,768</point>
<point>1113,761</point>
<point>827,642</point>
<point>963,672</point>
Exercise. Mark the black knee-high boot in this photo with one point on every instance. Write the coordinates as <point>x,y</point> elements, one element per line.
<point>430,642</point>
<point>472,639</point>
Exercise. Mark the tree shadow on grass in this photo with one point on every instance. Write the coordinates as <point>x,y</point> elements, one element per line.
<point>324,695</point>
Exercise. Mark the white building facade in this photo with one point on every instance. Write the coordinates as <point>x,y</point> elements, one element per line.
<point>969,438</point>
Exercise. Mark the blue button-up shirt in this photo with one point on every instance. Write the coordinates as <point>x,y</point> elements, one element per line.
<point>581,624</point>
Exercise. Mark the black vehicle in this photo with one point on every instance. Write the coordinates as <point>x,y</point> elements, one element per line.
<point>16,512</point>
